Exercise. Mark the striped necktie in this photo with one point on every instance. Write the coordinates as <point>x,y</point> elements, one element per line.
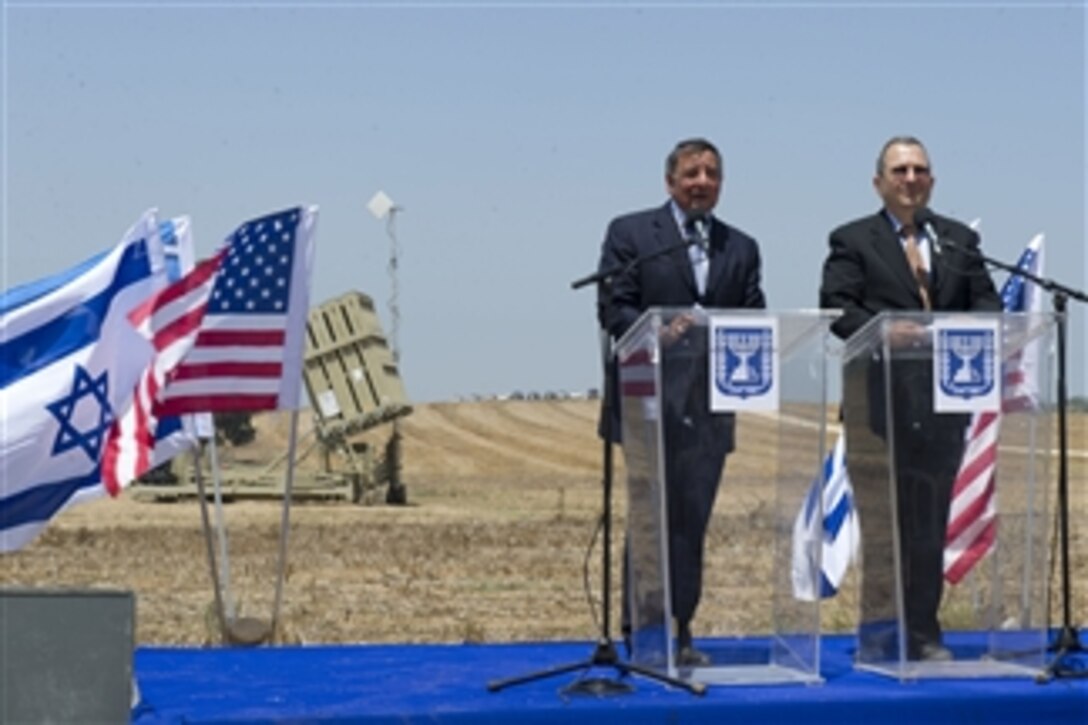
<point>917,264</point>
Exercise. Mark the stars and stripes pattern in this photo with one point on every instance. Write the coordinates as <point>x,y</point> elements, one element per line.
<point>176,434</point>
<point>247,353</point>
<point>972,521</point>
<point>228,336</point>
<point>171,321</point>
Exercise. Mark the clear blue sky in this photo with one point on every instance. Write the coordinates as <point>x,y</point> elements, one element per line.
<point>511,133</point>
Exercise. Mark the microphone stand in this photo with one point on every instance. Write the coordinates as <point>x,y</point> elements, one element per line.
<point>1067,641</point>
<point>604,653</point>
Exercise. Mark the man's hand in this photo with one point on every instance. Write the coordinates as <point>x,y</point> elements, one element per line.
<point>676,328</point>
<point>907,334</point>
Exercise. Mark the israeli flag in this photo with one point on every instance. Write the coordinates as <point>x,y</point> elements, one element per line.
<point>69,366</point>
<point>826,532</point>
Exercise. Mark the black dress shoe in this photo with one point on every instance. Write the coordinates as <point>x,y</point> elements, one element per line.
<point>874,648</point>
<point>932,652</point>
<point>691,657</point>
<point>874,653</point>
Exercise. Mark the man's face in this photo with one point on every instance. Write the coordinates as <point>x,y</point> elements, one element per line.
<point>906,181</point>
<point>696,182</point>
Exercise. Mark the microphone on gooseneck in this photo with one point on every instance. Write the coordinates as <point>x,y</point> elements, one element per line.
<point>923,219</point>
<point>698,221</point>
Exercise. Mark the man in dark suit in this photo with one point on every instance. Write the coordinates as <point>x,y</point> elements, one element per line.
<point>884,262</point>
<point>720,270</point>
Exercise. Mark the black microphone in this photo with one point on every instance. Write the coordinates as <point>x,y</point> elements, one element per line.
<point>923,219</point>
<point>701,224</point>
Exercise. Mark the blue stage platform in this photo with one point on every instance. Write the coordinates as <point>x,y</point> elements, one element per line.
<point>447,684</point>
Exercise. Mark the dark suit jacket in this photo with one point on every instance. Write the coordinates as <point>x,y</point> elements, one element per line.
<point>866,273</point>
<point>733,281</point>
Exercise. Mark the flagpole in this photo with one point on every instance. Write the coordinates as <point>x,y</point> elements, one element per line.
<point>210,548</point>
<point>220,527</point>
<point>288,487</point>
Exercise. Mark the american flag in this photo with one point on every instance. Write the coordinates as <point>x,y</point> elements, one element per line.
<point>176,434</point>
<point>248,350</point>
<point>228,336</point>
<point>180,433</point>
<point>972,520</point>
<point>171,321</point>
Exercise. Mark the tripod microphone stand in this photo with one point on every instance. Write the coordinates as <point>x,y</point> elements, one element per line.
<point>604,653</point>
<point>1067,641</point>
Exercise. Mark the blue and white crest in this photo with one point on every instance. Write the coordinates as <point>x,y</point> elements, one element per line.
<point>967,361</point>
<point>743,364</point>
<point>745,361</point>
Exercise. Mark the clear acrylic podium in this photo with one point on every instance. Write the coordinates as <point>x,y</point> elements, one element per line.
<point>915,385</point>
<point>739,357</point>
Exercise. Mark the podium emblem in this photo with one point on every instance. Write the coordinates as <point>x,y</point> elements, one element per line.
<point>967,362</point>
<point>745,360</point>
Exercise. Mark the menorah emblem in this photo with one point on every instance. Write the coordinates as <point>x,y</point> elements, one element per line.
<point>745,360</point>
<point>967,364</point>
<point>744,345</point>
<point>966,349</point>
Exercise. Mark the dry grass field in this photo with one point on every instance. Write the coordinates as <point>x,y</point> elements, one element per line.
<point>504,501</point>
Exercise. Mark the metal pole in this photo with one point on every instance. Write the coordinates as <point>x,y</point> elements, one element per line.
<point>209,546</point>
<point>220,527</point>
<point>394,285</point>
<point>288,488</point>
<point>395,491</point>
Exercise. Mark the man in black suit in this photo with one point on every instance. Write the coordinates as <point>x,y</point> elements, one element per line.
<point>721,270</point>
<point>884,262</point>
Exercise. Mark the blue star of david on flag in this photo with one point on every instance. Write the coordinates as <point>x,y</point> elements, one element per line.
<point>70,359</point>
<point>69,437</point>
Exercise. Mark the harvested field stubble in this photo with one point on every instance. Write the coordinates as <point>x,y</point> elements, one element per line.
<point>504,499</point>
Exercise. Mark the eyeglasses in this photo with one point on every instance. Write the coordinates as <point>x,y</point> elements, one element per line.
<point>918,170</point>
